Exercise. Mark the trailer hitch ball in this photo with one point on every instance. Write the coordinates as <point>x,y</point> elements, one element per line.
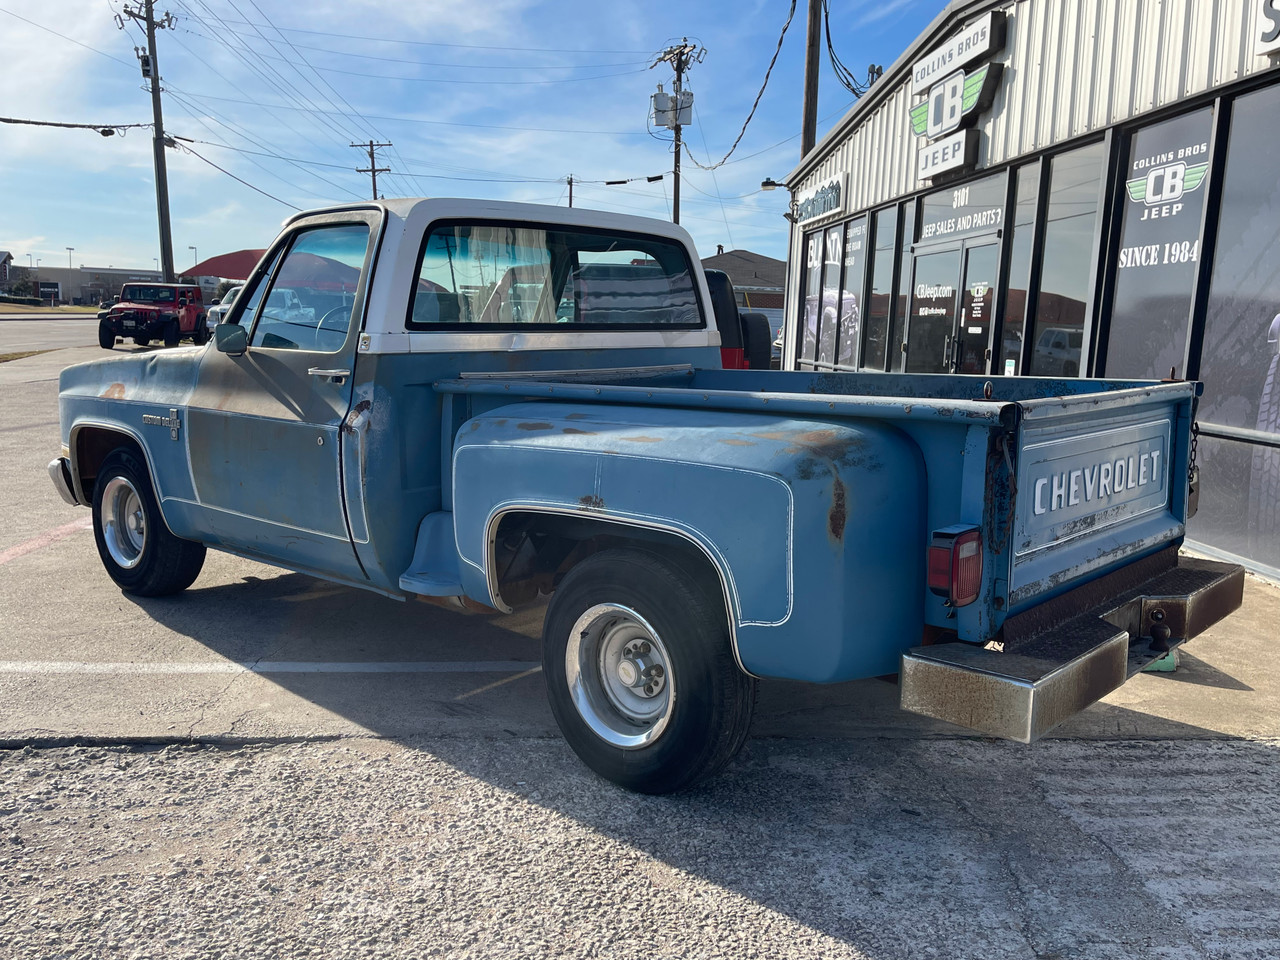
<point>1160,632</point>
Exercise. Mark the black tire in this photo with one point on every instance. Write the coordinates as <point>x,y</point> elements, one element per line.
<point>609,602</point>
<point>172,334</point>
<point>142,341</point>
<point>1264,474</point>
<point>200,335</point>
<point>106,337</point>
<point>136,547</point>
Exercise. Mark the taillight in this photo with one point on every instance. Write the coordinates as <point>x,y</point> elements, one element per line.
<point>955,564</point>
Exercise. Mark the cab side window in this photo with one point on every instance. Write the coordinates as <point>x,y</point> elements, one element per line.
<point>309,302</point>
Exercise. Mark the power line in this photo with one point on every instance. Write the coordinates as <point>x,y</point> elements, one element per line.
<point>438,123</point>
<point>105,129</point>
<point>185,149</point>
<point>723,160</point>
<point>843,73</point>
<point>65,37</point>
<point>434,43</point>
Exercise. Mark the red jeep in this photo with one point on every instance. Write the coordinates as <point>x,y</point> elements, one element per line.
<point>170,312</point>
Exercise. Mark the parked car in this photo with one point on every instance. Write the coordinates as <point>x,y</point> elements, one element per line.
<point>171,312</point>
<point>219,308</point>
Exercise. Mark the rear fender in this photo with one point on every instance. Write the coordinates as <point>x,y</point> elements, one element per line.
<point>814,528</point>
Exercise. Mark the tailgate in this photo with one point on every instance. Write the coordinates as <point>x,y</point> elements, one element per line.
<point>1101,480</point>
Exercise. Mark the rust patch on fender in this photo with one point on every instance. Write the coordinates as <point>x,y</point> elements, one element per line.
<point>591,502</point>
<point>575,431</point>
<point>359,410</point>
<point>641,439</point>
<point>533,426</point>
<point>839,513</point>
<point>737,443</point>
<point>113,392</point>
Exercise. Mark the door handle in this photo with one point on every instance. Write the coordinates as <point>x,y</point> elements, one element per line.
<point>332,374</point>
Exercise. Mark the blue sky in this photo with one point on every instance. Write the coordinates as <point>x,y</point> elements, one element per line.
<point>500,98</point>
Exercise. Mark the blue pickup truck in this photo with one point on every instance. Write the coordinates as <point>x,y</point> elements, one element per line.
<point>494,403</point>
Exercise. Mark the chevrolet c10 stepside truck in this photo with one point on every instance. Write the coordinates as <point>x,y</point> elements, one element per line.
<point>499,403</point>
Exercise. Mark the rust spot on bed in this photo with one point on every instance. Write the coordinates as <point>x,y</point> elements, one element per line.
<point>734,442</point>
<point>533,426</point>
<point>641,439</point>
<point>113,392</point>
<point>591,502</point>
<point>839,514</point>
<point>576,431</point>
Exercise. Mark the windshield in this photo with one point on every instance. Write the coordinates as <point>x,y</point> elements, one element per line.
<point>139,293</point>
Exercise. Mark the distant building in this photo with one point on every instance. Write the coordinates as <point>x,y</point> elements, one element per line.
<point>758,281</point>
<point>6,258</point>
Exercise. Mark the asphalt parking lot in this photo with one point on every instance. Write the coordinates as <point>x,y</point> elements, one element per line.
<point>271,765</point>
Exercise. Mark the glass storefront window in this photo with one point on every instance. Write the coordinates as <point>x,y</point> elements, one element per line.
<point>896,358</point>
<point>1164,188</point>
<point>875,349</point>
<point>1240,359</point>
<point>829,309</point>
<point>1067,264</point>
<point>1015,305</point>
<point>812,293</point>
<point>855,258</point>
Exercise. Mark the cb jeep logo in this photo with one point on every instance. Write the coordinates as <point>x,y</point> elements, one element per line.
<point>1167,184</point>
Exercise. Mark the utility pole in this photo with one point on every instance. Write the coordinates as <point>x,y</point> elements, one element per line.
<point>151,71</point>
<point>373,169</point>
<point>681,58</point>
<point>812,57</point>
<point>571,191</point>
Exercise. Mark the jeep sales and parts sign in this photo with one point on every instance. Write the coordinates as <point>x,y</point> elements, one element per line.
<point>954,98</point>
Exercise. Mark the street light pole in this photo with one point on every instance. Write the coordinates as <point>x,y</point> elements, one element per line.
<point>69,249</point>
<point>195,256</point>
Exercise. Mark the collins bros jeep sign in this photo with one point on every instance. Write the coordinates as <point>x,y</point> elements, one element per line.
<point>953,98</point>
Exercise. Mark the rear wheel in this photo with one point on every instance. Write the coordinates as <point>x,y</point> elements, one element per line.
<point>106,336</point>
<point>137,549</point>
<point>640,672</point>
<point>200,335</point>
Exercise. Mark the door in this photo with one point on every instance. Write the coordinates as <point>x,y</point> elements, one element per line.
<point>971,349</point>
<point>265,427</point>
<point>950,320</point>
<point>932,321</point>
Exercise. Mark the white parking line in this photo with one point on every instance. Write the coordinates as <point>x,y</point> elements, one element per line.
<point>271,666</point>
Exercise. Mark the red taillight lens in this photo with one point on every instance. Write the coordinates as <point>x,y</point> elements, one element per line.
<point>955,564</point>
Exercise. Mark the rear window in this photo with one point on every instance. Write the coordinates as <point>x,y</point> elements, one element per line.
<point>495,276</point>
<point>145,293</point>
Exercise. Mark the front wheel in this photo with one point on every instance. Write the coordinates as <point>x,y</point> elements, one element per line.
<point>641,674</point>
<point>136,547</point>
<point>172,334</point>
<point>106,337</point>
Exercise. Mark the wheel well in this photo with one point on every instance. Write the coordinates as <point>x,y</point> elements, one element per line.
<point>92,444</point>
<point>531,552</point>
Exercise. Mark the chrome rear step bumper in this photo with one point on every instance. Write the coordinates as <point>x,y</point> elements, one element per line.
<point>1035,683</point>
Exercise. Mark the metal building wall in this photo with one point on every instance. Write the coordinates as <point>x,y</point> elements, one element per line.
<point>1072,67</point>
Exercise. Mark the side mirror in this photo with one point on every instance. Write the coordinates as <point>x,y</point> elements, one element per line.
<point>214,303</point>
<point>231,339</point>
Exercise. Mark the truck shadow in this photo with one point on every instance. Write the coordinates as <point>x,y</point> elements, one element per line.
<point>877,830</point>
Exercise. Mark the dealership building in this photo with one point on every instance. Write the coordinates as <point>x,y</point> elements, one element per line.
<point>1066,188</point>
